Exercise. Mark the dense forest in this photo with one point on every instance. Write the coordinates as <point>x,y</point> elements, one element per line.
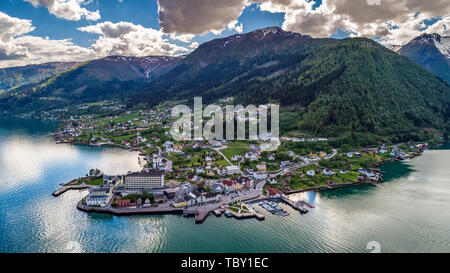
<point>351,90</point>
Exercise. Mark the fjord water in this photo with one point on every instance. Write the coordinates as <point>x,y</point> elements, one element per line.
<point>408,213</point>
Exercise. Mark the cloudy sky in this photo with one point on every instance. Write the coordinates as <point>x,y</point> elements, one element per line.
<point>37,31</point>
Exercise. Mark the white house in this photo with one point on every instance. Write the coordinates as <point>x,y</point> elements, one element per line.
<point>285,163</point>
<point>231,170</point>
<point>259,175</point>
<point>212,198</point>
<point>310,173</point>
<point>215,143</point>
<point>221,171</point>
<point>217,189</point>
<point>208,158</point>
<point>236,158</point>
<point>272,181</point>
<point>99,196</point>
<point>189,200</point>
<point>252,156</point>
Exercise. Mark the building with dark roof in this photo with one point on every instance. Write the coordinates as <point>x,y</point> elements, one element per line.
<point>145,180</point>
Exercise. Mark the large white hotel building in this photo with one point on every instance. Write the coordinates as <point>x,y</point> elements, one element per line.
<point>145,180</point>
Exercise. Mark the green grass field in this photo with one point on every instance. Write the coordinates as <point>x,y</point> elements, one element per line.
<point>236,148</point>
<point>95,182</point>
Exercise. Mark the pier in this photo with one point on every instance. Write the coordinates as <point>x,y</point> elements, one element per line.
<point>70,186</point>
<point>296,205</point>
<point>218,212</point>
<point>201,216</point>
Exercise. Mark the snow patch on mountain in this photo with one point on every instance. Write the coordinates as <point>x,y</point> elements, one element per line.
<point>148,64</point>
<point>443,46</point>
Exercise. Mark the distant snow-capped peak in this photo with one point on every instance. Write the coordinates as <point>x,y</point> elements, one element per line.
<point>441,43</point>
<point>262,34</point>
<point>444,46</point>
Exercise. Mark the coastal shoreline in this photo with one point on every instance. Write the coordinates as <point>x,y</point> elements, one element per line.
<point>200,214</point>
<point>357,183</point>
<point>331,187</point>
<point>101,144</point>
<point>127,211</point>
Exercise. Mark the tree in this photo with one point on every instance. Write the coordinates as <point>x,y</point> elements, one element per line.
<point>208,189</point>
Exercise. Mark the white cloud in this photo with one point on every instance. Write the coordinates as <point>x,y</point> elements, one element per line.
<point>16,48</point>
<point>236,26</point>
<point>125,38</point>
<point>198,16</point>
<point>185,38</point>
<point>68,9</point>
<point>48,50</point>
<point>10,28</point>
<point>194,45</point>
<point>393,22</point>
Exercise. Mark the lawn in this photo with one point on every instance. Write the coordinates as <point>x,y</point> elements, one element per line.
<point>230,152</point>
<point>99,103</point>
<point>236,148</point>
<point>299,181</point>
<point>128,138</point>
<point>222,163</point>
<point>95,182</point>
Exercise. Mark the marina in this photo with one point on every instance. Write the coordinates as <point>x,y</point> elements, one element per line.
<point>302,206</point>
<point>273,206</point>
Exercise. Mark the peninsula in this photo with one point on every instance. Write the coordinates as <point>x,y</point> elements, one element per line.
<point>198,178</point>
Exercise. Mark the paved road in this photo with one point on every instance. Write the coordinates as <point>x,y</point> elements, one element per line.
<point>226,159</point>
<point>331,156</point>
<point>169,163</point>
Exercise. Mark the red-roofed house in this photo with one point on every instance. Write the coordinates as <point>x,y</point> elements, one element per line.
<point>273,192</point>
<point>229,185</point>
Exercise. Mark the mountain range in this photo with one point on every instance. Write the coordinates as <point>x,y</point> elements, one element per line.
<point>335,87</point>
<point>18,76</point>
<point>94,80</point>
<point>431,51</point>
<point>331,87</point>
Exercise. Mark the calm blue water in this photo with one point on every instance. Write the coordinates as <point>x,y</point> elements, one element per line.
<point>409,213</point>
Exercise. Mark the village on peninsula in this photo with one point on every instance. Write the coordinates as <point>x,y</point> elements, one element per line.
<point>198,178</point>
